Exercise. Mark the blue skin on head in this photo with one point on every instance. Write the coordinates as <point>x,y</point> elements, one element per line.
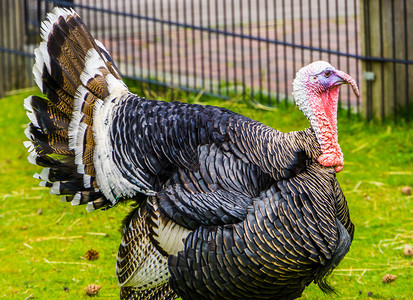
<point>329,78</point>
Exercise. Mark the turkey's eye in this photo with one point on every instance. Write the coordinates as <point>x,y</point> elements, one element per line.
<point>327,74</point>
<point>313,78</point>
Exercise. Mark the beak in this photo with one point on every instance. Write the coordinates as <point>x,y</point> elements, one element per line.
<point>344,78</point>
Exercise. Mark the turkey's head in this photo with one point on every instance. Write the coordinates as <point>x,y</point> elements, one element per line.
<point>315,91</point>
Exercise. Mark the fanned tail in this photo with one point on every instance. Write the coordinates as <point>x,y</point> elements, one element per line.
<point>81,83</point>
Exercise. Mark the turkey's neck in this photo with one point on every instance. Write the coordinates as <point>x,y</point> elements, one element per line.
<point>321,111</point>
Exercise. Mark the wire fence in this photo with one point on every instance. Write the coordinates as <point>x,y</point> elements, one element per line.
<point>230,48</point>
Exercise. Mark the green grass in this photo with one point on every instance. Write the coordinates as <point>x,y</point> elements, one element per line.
<point>41,252</point>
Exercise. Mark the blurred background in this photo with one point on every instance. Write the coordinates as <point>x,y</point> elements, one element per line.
<point>236,48</point>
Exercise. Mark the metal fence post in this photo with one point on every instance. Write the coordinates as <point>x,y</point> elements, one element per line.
<point>12,37</point>
<point>388,86</point>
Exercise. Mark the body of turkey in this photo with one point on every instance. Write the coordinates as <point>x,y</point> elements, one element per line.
<point>225,207</point>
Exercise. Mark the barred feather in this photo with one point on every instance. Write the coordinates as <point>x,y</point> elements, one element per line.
<point>139,263</point>
<point>162,292</point>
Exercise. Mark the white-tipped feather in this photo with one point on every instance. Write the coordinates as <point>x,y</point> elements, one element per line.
<point>93,61</point>
<point>77,128</point>
<point>42,59</point>
<point>77,116</point>
<point>86,181</point>
<point>79,146</point>
<point>64,12</point>
<point>32,157</point>
<point>73,129</point>
<point>74,202</point>
<point>100,45</point>
<point>28,134</point>
<point>45,58</point>
<point>28,104</point>
<point>32,118</point>
<point>47,26</point>
<point>52,18</point>
<point>43,183</point>
<point>76,199</point>
<point>90,207</point>
<point>44,174</point>
<point>29,145</point>
<point>117,88</point>
<point>38,69</point>
<point>80,168</point>
<point>41,54</point>
<point>55,188</point>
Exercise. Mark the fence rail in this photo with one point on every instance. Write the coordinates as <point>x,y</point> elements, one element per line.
<point>232,47</point>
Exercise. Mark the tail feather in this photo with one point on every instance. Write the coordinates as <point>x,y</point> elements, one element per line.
<point>48,143</point>
<point>54,174</point>
<point>60,98</point>
<point>78,76</point>
<point>47,118</point>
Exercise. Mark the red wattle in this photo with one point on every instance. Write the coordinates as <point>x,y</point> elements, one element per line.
<point>325,111</point>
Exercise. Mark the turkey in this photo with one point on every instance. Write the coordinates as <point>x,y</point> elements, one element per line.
<point>224,207</point>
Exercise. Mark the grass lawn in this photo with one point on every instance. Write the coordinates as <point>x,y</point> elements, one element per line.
<point>43,241</point>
